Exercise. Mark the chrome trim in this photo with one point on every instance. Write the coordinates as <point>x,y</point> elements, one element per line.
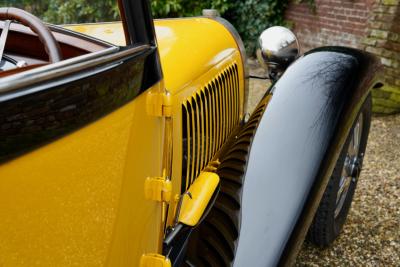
<point>66,67</point>
<point>278,47</point>
<point>210,13</point>
<point>243,54</point>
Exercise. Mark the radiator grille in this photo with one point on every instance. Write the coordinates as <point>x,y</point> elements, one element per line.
<point>208,117</point>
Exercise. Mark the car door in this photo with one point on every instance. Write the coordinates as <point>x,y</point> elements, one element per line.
<point>76,145</point>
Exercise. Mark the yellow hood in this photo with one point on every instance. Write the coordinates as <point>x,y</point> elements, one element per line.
<point>188,47</point>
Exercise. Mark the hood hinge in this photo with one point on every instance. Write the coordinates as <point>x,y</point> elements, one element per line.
<point>154,260</point>
<point>158,189</point>
<point>159,104</point>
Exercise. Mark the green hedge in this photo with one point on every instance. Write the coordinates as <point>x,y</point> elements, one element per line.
<point>250,17</point>
<point>67,12</point>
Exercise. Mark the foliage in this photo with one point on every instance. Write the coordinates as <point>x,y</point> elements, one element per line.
<point>76,11</point>
<point>71,11</point>
<point>165,8</point>
<point>250,17</point>
<point>185,8</point>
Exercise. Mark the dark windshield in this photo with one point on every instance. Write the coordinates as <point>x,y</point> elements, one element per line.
<point>68,11</point>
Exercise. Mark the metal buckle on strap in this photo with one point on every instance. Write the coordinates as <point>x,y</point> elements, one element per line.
<point>3,37</point>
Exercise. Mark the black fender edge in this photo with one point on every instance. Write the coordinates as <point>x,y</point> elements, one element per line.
<point>309,113</point>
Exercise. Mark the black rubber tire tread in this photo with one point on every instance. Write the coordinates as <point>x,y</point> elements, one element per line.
<point>214,242</point>
<point>325,228</point>
<point>219,240</point>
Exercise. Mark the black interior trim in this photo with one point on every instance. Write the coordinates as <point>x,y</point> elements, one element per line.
<point>138,21</point>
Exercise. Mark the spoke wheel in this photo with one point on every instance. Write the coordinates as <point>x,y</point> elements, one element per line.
<point>352,165</point>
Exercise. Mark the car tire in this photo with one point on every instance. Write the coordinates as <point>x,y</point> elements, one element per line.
<point>337,198</point>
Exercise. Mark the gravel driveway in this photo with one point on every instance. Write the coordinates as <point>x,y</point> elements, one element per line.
<point>371,235</point>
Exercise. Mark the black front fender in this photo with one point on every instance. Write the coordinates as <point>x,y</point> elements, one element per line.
<point>295,148</point>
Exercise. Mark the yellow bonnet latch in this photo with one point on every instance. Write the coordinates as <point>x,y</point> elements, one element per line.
<point>159,104</point>
<point>158,189</point>
<point>154,260</point>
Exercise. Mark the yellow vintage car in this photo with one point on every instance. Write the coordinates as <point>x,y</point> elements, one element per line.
<point>128,143</point>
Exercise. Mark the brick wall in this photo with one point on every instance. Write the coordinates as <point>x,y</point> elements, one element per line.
<point>383,40</point>
<point>333,22</point>
<point>371,25</point>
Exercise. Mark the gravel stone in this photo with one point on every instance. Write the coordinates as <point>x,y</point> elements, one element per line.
<point>371,235</point>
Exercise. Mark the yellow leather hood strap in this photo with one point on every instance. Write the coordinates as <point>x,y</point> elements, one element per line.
<point>197,198</point>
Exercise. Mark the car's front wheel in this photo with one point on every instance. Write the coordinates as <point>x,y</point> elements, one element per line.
<point>336,201</point>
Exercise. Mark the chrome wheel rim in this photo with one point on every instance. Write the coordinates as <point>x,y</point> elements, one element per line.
<point>352,165</point>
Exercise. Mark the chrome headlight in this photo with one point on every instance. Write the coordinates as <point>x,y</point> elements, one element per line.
<point>278,47</point>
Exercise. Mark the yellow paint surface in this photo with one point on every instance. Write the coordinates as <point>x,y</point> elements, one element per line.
<point>111,32</point>
<point>193,51</point>
<point>188,47</point>
<point>79,201</point>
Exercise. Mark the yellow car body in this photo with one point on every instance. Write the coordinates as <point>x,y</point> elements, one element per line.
<point>80,200</point>
<point>127,143</point>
